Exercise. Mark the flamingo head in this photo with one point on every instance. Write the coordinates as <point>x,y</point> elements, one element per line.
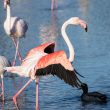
<point>78,21</point>
<point>6,2</point>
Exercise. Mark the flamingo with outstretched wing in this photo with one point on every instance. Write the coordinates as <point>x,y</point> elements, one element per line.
<point>42,60</point>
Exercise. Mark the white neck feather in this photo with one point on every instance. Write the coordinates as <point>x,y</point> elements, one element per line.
<point>8,12</point>
<point>69,44</point>
<point>8,18</point>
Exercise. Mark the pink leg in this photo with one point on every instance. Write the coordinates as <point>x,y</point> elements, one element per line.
<point>18,53</point>
<point>56,4</point>
<point>16,95</point>
<point>37,98</point>
<point>37,95</point>
<point>53,4</point>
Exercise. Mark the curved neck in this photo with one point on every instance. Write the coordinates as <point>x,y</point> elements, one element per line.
<point>85,91</point>
<point>69,44</point>
<point>8,12</point>
<point>8,17</point>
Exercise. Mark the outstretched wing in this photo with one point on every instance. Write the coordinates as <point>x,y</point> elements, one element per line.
<point>46,48</point>
<point>58,64</point>
<point>68,76</point>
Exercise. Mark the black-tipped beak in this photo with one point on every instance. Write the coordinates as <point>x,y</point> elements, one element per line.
<point>86,29</point>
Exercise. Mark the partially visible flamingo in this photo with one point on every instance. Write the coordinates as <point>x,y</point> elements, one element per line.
<point>42,60</point>
<point>54,4</point>
<point>3,63</point>
<point>15,27</point>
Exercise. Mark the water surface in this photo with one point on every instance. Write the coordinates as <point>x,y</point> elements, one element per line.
<point>92,52</point>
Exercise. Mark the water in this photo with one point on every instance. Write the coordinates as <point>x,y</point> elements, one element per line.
<point>92,52</point>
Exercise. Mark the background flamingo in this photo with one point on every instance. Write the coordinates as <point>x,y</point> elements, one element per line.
<point>15,27</point>
<point>43,60</point>
<point>54,4</point>
<point>3,63</point>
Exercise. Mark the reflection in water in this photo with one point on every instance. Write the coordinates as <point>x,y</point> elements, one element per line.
<point>50,32</point>
<point>83,6</point>
<point>54,4</point>
<point>1,106</point>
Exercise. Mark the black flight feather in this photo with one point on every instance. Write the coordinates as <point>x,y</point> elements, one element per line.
<point>57,69</point>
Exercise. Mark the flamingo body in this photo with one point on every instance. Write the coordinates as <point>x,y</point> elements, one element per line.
<point>39,61</point>
<point>17,29</point>
<point>32,58</point>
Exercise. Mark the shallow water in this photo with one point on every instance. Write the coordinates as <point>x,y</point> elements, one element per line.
<point>92,52</point>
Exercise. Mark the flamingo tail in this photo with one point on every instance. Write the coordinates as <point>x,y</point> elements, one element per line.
<point>20,70</point>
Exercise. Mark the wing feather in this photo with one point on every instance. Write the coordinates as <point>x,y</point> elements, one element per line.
<point>55,58</point>
<point>68,76</point>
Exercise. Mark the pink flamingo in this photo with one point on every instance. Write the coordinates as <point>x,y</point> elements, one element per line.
<point>54,4</point>
<point>14,27</point>
<point>42,60</point>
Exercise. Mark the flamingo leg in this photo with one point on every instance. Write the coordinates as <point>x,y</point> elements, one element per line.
<point>16,95</point>
<point>37,95</point>
<point>53,4</point>
<point>16,52</point>
<point>56,4</point>
<point>2,89</point>
<point>2,86</point>
<point>16,44</point>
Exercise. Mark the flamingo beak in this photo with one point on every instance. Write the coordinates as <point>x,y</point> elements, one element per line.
<point>83,24</point>
<point>86,29</point>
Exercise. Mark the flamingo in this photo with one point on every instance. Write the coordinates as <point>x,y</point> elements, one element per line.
<point>14,27</point>
<point>42,60</point>
<point>3,63</point>
<point>54,4</point>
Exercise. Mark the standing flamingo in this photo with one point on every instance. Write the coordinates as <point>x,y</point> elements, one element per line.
<point>54,4</point>
<point>15,27</point>
<point>3,63</point>
<point>42,60</point>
